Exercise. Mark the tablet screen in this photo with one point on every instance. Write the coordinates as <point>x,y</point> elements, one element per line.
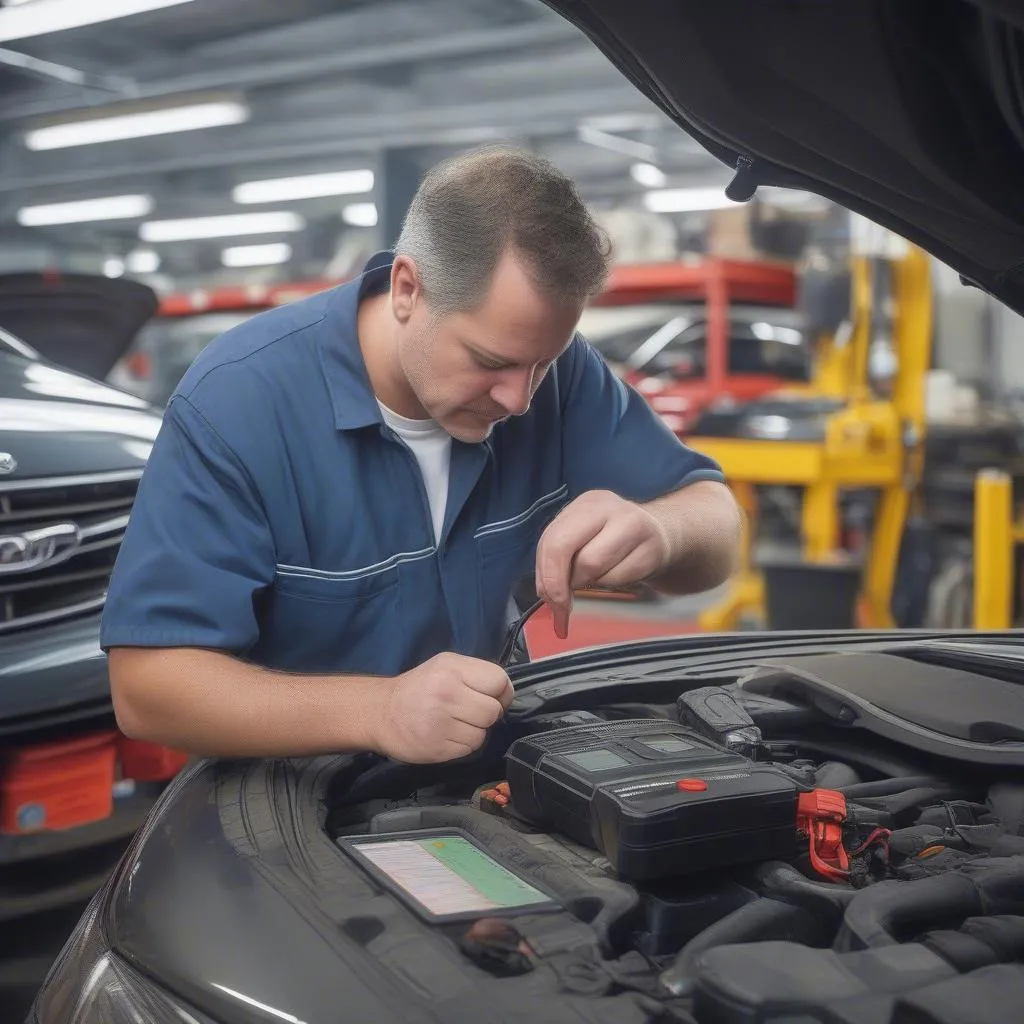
<point>448,875</point>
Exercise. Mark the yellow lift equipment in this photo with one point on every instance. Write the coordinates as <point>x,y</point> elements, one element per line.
<point>874,440</point>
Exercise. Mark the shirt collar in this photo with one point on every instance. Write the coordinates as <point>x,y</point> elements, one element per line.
<point>355,405</point>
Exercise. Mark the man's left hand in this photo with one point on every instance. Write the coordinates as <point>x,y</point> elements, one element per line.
<point>599,539</point>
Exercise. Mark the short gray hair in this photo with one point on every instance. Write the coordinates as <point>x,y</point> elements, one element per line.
<point>470,209</point>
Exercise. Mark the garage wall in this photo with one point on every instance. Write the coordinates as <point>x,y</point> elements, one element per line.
<point>1009,333</point>
<point>962,328</point>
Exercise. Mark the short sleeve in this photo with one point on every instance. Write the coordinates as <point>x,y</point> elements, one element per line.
<point>197,550</point>
<point>613,440</point>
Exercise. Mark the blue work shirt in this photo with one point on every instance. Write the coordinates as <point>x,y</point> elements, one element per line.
<point>280,520</point>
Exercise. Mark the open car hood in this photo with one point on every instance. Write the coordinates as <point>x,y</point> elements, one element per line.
<point>82,322</point>
<point>911,114</point>
<point>241,890</point>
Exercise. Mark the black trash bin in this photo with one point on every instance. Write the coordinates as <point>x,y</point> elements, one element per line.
<point>811,595</point>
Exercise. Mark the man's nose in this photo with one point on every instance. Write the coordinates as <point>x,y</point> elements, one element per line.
<point>515,392</point>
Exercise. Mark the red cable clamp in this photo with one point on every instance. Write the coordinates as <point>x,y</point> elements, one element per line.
<point>821,814</point>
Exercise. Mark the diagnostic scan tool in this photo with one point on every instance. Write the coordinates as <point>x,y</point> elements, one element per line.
<point>656,798</point>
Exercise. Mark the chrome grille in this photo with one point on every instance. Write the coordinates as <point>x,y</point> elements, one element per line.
<point>99,506</point>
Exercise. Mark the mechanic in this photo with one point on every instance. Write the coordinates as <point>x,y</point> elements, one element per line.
<point>346,490</point>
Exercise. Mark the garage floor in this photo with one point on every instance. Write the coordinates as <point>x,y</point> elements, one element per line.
<point>608,621</point>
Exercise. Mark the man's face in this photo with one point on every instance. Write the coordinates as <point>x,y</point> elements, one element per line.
<point>472,370</point>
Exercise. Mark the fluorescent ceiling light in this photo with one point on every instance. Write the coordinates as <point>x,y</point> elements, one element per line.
<point>137,126</point>
<point>43,16</point>
<point>687,200</point>
<point>85,210</point>
<point>360,215</point>
<point>256,255</point>
<point>793,199</point>
<point>606,140</point>
<point>623,122</point>
<point>143,261</point>
<point>308,186</point>
<point>220,227</point>
<point>647,175</point>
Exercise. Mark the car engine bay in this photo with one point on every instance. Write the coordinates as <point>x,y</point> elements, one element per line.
<point>779,847</point>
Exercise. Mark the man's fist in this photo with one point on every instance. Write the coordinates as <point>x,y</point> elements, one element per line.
<point>599,538</point>
<point>442,709</point>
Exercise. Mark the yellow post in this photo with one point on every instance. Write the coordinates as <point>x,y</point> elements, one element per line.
<point>820,521</point>
<point>993,550</point>
<point>745,597</point>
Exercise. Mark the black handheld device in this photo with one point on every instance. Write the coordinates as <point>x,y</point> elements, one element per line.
<point>654,797</point>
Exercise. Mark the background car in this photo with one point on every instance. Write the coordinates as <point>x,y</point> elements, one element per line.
<point>72,451</point>
<point>663,351</point>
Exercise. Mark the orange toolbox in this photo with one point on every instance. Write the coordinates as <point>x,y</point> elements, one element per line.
<point>148,762</point>
<point>70,783</point>
<point>58,785</point>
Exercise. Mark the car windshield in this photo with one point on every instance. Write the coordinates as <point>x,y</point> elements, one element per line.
<point>670,340</point>
<point>166,347</point>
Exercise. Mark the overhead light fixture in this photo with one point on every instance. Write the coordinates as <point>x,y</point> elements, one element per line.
<point>360,215</point>
<point>165,121</point>
<point>606,140</point>
<point>687,200</point>
<point>631,122</point>
<point>44,16</point>
<point>793,199</point>
<point>256,255</point>
<point>194,228</point>
<point>143,261</point>
<point>647,175</point>
<point>307,186</point>
<point>85,210</point>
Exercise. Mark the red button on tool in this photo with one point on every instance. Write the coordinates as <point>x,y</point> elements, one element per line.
<point>692,785</point>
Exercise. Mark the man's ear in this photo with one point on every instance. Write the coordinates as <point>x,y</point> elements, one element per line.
<point>406,290</point>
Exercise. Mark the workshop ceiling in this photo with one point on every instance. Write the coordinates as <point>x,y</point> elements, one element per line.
<point>307,87</point>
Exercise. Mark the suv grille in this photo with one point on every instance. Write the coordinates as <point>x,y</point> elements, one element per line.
<point>98,506</point>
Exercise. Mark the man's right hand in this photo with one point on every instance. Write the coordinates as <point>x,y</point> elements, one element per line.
<point>442,709</point>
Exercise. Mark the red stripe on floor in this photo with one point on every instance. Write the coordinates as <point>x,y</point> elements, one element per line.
<point>587,630</point>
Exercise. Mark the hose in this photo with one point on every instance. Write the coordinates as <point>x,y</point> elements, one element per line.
<point>888,787</point>
<point>980,942</point>
<point>891,912</point>
<point>827,900</point>
<point>761,921</point>
<point>836,775</point>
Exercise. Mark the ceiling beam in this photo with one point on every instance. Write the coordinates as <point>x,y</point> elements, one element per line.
<point>271,72</point>
<point>459,124</point>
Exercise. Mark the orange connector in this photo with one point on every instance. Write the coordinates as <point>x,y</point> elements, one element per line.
<point>821,814</point>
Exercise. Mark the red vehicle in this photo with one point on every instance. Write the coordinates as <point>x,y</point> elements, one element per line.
<point>689,335</point>
<point>685,335</point>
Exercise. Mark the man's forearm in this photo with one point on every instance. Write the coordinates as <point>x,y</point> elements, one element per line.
<point>702,525</point>
<point>211,704</point>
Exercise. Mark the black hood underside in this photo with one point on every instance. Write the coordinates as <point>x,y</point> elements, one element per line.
<point>82,322</point>
<point>910,113</point>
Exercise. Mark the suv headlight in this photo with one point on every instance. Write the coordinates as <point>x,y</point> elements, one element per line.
<point>89,984</point>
